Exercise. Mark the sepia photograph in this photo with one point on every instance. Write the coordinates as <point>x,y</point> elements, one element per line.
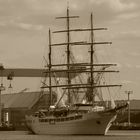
<point>69,69</point>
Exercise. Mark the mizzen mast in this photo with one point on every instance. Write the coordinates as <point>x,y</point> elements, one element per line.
<point>91,58</point>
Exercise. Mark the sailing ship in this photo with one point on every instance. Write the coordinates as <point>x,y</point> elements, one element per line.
<point>73,113</point>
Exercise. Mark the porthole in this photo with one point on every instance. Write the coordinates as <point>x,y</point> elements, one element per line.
<point>98,122</point>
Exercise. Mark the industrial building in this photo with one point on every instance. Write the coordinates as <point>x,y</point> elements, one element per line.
<point>16,105</point>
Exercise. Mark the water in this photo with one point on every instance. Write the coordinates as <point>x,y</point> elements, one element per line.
<point>111,135</point>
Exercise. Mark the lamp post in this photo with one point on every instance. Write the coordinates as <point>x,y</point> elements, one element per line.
<point>129,92</point>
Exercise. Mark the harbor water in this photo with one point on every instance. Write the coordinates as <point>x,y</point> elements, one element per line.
<point>111,135</point>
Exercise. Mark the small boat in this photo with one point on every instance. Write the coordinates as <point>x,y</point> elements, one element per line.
<point>75,111</point>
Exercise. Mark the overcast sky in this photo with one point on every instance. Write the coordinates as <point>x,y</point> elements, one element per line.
<point>24,28</point>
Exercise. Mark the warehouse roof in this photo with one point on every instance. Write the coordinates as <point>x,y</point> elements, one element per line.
<point>20,100</point>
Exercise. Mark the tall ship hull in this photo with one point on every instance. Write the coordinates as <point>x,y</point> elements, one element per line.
<point>93,123</point>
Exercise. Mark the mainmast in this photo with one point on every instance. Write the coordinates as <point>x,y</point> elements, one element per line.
<point>68,54</point>
<point>68,49</point>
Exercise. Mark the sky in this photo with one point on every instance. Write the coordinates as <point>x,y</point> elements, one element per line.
<point>24,26</point>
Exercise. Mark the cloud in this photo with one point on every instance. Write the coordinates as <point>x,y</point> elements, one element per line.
<point>16,25</point>
<point>127,34</point>
<point>47,6</point>
<point>138,66</point>
<point>134,54</point>
<point>116,5</point>
<point>116,10</point>
<point>119,65</point>
<point>129,65</point>
<point>119,6</point>
<point>29,26</point>
<point>127,16</point>
<point>2,24</point>
<point>126,82</point>
<point>41,12</point>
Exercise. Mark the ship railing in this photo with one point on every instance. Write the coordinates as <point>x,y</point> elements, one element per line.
<point>62,119</point>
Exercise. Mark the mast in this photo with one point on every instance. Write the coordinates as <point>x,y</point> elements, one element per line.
<point>91,57</point>
<point>50,63</point>
<point>68,54</point>
<point>67,17</point>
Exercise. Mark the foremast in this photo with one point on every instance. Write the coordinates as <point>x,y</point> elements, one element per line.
<point>68,54</point>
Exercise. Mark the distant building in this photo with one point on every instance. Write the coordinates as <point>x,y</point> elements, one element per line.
<point>135,105</point>
<point>16,105</point>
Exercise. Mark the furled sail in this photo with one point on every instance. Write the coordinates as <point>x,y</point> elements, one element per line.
<point>113,105</point>
<point>59,93</point>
